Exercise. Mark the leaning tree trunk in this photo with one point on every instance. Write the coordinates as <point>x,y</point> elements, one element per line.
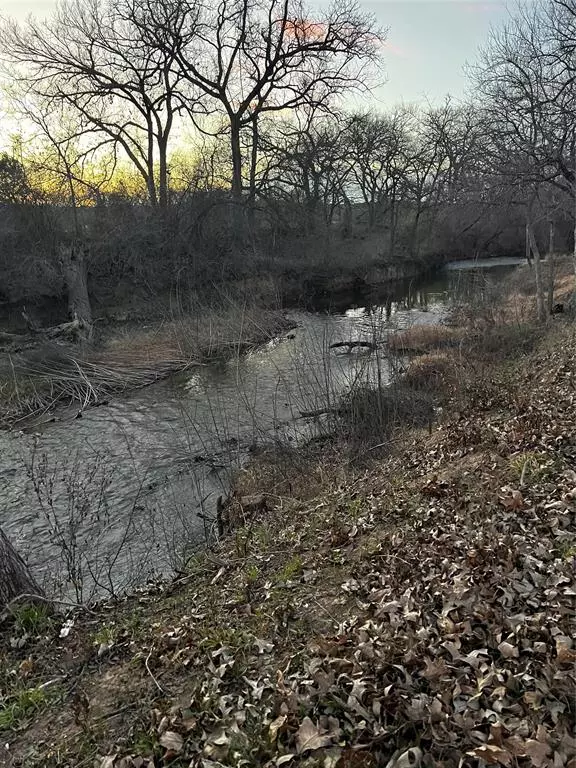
<point>15,578</point>
<point>75,271</point>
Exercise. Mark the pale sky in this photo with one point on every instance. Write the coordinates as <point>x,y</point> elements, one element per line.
<point>429,41</point>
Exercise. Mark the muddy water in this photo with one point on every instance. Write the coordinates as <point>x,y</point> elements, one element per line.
<point>123,492</point>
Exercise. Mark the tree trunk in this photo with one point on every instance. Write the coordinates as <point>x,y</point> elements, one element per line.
<point>347,223</point>
<point>392,243</point>
<point>76,277</point>
<point>528,251</point>
<point>162,175</point>
<point>236,159</point>
<point>551,267</point>
<point>414,236</point>
<point>253,175</point>
<point>151,185</point>
<point>574,293</point>
<point>537,274</point>
<point>254,158</point>
<point>371,214</point>
<point>15,578</point>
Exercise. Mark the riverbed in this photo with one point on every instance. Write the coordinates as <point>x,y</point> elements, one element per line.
<point>128,490</point>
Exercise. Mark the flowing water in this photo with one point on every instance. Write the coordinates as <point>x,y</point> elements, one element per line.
<point>117,495</point>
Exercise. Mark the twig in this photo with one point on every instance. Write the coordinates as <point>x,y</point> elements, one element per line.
<point>156,683</point>
<point>116,712</point>
<point>43,599</point>
<point>326,611</point>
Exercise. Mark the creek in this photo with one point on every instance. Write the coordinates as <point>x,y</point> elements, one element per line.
<point>126,491</point>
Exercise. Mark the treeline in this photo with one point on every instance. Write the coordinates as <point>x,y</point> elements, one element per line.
<point>279,170</point>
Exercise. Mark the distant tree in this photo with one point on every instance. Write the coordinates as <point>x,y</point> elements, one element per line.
<point>308,161</point>
<point>14,186</point>
<point>527,81</point>
<point>249,58</point>
<point>380,150</point>
<point>90,56</point>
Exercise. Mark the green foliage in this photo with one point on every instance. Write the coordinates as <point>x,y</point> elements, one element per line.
<point>32,618</point>
<point>18,706</point>
<point>532,466</point>
<point>252,574</point>
<point>291,569</point>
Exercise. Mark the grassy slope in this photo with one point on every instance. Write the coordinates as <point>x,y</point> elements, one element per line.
<point>417,610</point>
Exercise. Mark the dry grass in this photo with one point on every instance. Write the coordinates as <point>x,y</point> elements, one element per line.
<point>513,301</point>
<point>436,372</point>
<point>53,375</point>
<point>193,339</point>
<point>424,338</point>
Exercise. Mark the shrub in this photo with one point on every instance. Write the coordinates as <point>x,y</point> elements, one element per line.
<point>369,413</point>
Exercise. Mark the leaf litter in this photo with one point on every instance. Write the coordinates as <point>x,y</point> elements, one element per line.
<point>435,629</point>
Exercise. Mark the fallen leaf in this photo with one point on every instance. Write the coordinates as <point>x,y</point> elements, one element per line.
<point>108,761</point>
<point>172,741</point>
<point>513,500</point>
<point>275,726</point>
<point>310,737</point>
<point>509,651</point>
<point>66,627</point>
<point>411,758</point>
<point>492,754</point>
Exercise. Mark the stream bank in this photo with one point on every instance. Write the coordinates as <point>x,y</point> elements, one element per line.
<point>416,609</point>
<point>137,483</point>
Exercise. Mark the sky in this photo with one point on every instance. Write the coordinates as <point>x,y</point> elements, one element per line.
<point>429,41</point>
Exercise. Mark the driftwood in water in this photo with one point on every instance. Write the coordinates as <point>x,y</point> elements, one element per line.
<point>317,412</point>
<point>370,345</point>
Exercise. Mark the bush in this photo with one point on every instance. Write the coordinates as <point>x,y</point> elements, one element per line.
<point>370,413</point>
<point>433,372</point>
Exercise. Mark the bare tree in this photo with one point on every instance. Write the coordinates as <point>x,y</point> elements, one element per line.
<point>253,57</point>
<point>527,78</point>
<point>92,57</point>
<point>66,166</point>
<point>309,162</point>
<point>380,150</point>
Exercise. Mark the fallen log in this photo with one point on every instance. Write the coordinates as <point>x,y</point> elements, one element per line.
<point>72,330</point>
<point>370,345</point>
<point>13,338</point>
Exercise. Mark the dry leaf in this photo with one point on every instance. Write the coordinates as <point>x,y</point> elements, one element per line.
<point>492,754</point>
<point>513,500</point>
<point>108,761</point>
<point>508,651</point>
<point>310,737</point>
<point>172,741</point>
<point>275,726</point>
<point>411,758</point>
